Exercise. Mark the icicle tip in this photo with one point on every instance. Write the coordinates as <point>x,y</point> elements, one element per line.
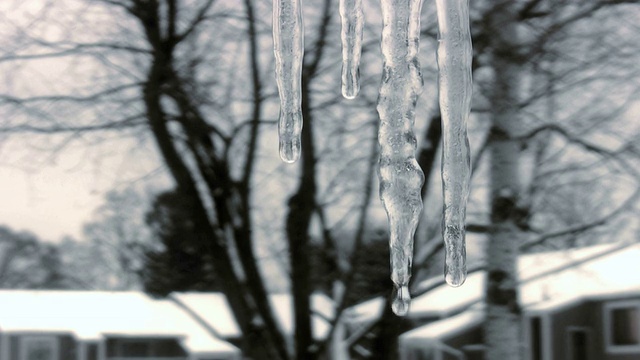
<point>289,151</point>
<point>401,301</point>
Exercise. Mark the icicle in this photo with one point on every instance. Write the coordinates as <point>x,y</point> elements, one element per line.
<point>454,64</point>
<point>288,46</point>
<point>352,25</point>
<point>400,175</point>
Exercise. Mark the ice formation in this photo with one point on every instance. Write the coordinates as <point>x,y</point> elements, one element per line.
<point>454,80</point>
<point>288,46</point>
<point>352,26</point>
<point>400,175</point>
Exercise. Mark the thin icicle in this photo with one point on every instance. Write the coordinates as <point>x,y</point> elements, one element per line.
<point>400,175</point>
<point>352,25</point>
<point>454,64</point>
<point>288,46</point>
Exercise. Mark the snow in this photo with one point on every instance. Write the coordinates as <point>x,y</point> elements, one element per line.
<point>367,311</point>
<point>92,315</point>
<point>320,304</point>
<point>446,328</point>
<point>445,299</point>
<point>214,309</point>
<point>609,275</point>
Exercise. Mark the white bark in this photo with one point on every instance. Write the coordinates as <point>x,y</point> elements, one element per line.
<point>502,328</point>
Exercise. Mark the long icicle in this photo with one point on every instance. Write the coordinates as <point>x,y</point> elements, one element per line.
<point>455,87</point>
<point>352,26</point>
<point>288,46</point>
<point>400,175</point>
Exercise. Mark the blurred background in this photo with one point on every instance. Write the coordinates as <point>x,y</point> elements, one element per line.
<point>138,154</point>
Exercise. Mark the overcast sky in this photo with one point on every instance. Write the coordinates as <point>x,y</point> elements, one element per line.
<point>54,196</point>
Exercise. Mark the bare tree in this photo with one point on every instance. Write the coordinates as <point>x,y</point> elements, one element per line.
<point>194,78</point>
<point>29,263</point>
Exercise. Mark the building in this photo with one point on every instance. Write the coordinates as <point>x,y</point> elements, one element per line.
<point>94,325</point>
<point>213,311</point>
<point>579,304</point>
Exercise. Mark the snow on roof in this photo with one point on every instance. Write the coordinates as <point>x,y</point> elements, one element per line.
<point>91,315</point>
<point>615,273</point>
<point>365,311</point>
<point>544,276</point>
<point>197,340</point>
<point>320,304</point>
<point>445,299</point>
<point>214,310</point>
<point>442,329</point>
<point>439,302</point>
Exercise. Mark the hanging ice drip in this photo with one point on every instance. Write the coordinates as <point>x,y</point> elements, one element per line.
<point>352,26</point>
<point>288,46</point>
<point>400,175</point>
<point>401,178</point>
<point>454,81</point>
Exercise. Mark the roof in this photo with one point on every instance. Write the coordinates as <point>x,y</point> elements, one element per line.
<point>214,310</point>
<point>447,327</point>
<point>92,315</point>
<point>613,274</point>
<point>549,282</point>
<point>439,302</point>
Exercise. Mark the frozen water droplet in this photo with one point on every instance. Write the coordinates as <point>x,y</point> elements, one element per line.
<point>288,48</point>
<point>455,87</point>
<point>350,83</point>
<point>289,129</point>
<point>401,301</point>
<point>290,151</point>
<point>455,277</point>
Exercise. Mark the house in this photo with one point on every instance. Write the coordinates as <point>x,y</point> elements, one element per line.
<point>577,304</point>
<point>95,325</point>
<point>213,311</point>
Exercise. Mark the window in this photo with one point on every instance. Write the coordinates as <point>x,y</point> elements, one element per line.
<point>92,351</point>
<point>536,338</point>
<point>134,348</point>
<point>39,348</point>
<point>622,326</point>
<point>578,343</point>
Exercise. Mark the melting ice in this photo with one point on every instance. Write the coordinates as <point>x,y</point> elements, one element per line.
<point>400,175</point>
<point>454,80</point>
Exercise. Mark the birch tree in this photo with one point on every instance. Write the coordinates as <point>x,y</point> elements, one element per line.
<point>516,55</point>
<point>502,328</point>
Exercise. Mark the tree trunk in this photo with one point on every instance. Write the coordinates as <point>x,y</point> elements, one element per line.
<point>502,328</point>
<point>301,207</point>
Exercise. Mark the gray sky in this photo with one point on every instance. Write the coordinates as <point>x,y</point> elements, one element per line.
<point>54,196</point>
